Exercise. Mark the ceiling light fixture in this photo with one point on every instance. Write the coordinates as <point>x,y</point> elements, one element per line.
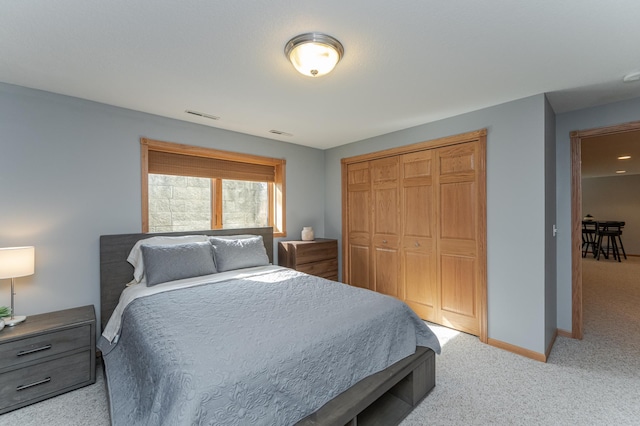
<point>621,171</point>
<point>314,54</point>
<point>624,157</point>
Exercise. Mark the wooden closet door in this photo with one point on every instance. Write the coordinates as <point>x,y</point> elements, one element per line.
<point>386,225</point>
<point>418,240</point>
<point>458,234</point>
<point>414,227</point>
<point>358,266</point>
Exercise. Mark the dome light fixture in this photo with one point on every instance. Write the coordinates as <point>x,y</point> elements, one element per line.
<point>314,54</point>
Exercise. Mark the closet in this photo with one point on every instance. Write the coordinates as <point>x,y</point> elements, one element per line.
<point>414,227</point>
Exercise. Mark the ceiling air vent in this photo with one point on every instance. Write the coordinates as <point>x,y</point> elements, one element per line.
<point>280,132</point>
<point>202,114</point>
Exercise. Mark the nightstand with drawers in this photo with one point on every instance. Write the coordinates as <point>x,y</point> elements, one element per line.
<point>47,355</point>
<point>318,257</point>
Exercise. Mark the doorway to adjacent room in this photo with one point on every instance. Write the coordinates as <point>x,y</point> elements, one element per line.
<point>577,215</point>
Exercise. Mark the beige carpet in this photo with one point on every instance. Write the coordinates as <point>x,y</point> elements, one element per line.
<point>595,381</point>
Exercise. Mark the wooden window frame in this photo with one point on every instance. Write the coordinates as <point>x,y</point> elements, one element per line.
<point>276,189</point>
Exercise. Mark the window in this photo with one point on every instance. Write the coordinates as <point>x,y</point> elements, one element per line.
<point>187,188</point>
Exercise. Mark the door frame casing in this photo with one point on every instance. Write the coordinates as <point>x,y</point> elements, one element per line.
<point>577,136</point>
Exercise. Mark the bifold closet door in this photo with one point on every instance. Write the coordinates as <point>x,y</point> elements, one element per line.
<point>414,221</point>
<point>458,236</point>
<point>358,269</point>
<point>418,242</point>
<point>385,181</point>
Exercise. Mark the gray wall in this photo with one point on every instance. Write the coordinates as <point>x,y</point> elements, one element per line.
<point>550,266</point>
<point>615,198</point>
<point>70,172</point>
<point>516,222</point>
<point>606,115</point>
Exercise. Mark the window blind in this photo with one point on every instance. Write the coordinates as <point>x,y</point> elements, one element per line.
<point>168,163</point>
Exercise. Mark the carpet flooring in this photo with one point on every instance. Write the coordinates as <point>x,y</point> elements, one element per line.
<point>595,381</point>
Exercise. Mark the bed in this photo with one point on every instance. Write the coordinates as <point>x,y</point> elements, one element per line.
<point>260,344</point>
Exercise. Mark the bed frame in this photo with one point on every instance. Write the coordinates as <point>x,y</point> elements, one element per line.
<point>384,398</point>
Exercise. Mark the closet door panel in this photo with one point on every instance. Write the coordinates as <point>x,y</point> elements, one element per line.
<point>386,224</point>
<point>384,170</point>
<point>420,289</point>
<point>418,203</point>
<point>458,248</point>
<point>385,211</point>
<point>360,263</point>
<point>359,212</point>
<point>386,270</point>
<point>458,160</point>
<point>384,189</point>
<point>418,254</point>
<point>457,194</point>
<point>457,210</point>
<point>358,266</point>
<point>458,296</point>
<point>358,174</point>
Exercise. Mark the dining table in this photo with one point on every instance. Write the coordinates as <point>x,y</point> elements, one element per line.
<point>603,237</point>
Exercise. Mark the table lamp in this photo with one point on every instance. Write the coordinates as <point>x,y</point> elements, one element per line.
<point>16,262</point>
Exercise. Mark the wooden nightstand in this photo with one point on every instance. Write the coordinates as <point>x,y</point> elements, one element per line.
<point>47,355</point>
<point>318,257</point>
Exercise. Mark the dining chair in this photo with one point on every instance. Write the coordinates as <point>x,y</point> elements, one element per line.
<point>589,237</point>
<point>616,227</point>
<point>612,231</point>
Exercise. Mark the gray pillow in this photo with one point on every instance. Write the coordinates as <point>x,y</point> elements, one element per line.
<point>241,253</point>
<point>178,261</point>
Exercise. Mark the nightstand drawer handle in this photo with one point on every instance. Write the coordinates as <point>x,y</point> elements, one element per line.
<point>41,382</point>
<point>42,348</point>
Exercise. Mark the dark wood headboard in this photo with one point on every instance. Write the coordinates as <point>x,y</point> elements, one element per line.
<point>116,272</point>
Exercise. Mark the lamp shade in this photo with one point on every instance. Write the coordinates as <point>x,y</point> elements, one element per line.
<point>17,262</point>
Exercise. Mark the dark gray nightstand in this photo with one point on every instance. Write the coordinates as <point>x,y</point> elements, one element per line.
<point>47,355</point>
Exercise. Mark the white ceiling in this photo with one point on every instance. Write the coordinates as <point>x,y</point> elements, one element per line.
<point>406,62</point>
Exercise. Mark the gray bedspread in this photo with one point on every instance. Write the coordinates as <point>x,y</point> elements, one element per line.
<point>265,350</point>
